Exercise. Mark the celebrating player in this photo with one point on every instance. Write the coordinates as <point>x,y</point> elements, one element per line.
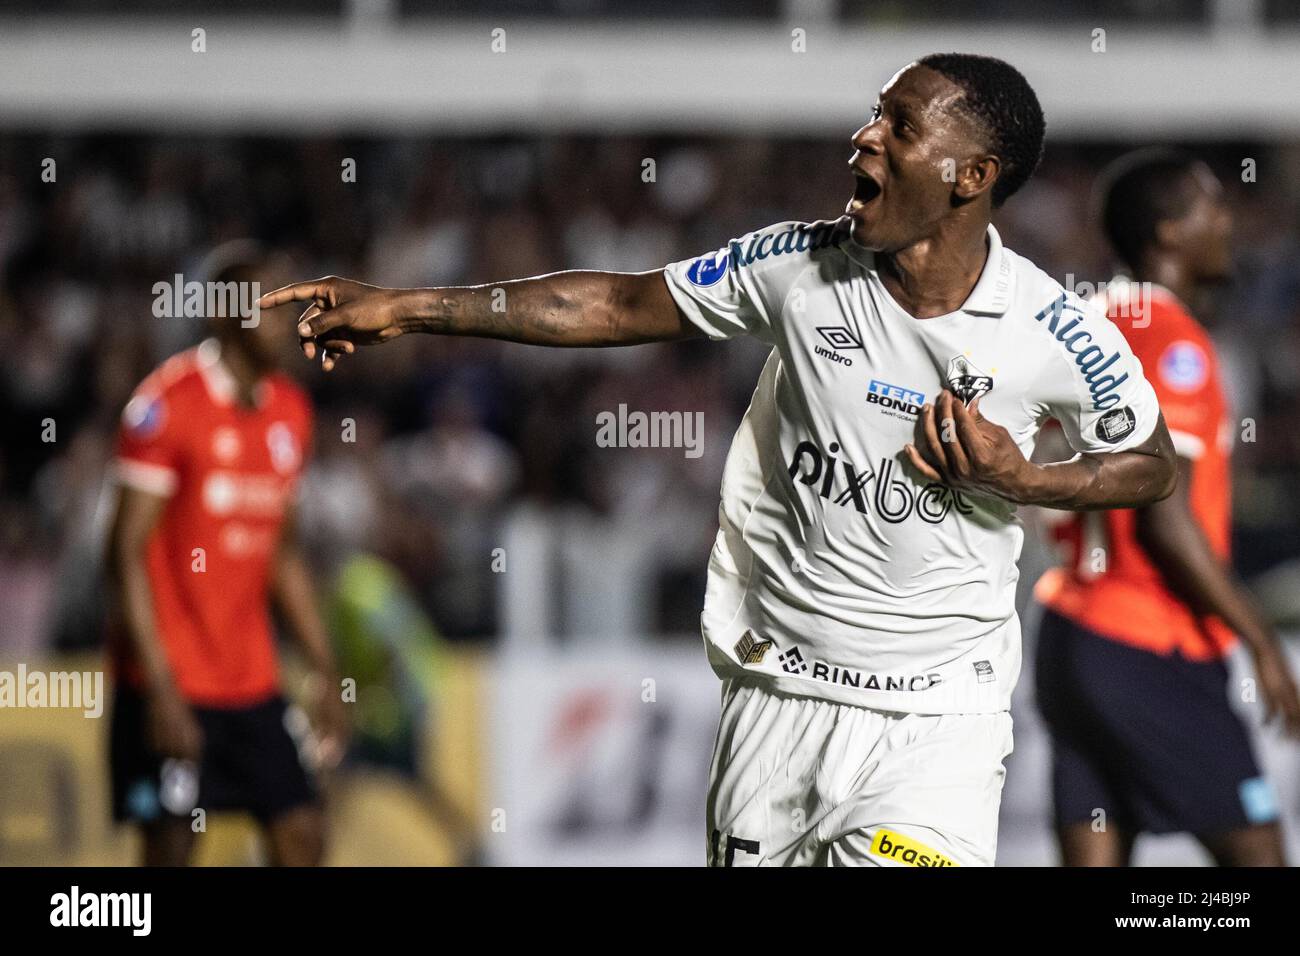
<point>860,598</point>
<point>1130,670</point>
<point>210,451</point>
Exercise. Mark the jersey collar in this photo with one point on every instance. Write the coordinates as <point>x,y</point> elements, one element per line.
<point>221,385</point>
<point>992,292</point>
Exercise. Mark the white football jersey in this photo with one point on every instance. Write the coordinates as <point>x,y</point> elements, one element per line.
<point>839,571</point>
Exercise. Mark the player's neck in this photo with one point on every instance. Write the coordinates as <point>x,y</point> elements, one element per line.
<point>1172,275</point>
<point>243,372</point>
<point>935,276</point>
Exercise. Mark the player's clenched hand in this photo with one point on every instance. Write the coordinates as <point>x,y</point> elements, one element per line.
<point>1277,688</point>
<point>343,314</point>
<point>961,448</point>
<point>173,729</point>
<point>330,717</point>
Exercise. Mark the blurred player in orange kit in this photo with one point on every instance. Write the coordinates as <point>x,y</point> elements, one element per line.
<point>1130,672</point>
<point>209,453</point>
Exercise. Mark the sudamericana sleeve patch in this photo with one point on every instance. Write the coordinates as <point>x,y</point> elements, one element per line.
<point>707,270</point>
<point>1183,366</point>
<point>144,416</point>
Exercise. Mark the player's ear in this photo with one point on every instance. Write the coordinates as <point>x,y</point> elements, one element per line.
<point>976,176</point>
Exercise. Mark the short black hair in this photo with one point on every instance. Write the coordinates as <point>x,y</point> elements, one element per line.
<point>1138,191</point>
<point>233,261</point>
<point>1000,99</point>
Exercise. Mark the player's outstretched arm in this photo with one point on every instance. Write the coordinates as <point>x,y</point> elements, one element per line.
<point>963,449</point>
<point>561,309</point>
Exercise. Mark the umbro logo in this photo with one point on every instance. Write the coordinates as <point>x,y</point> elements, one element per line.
<point>840,340</point>
<point>838,337</point>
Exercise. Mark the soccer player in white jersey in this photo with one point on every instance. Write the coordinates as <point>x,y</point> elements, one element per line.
<point>860,597</point>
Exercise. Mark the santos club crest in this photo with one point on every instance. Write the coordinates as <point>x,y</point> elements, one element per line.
<point>965,380</point>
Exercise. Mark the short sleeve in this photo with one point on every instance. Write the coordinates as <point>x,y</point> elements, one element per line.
<point>713,293</point>
<point>1099,392</point>
<point>741,288</point>
<point>147,455</point>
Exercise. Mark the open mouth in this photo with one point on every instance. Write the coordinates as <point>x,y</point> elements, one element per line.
<point>866,190</point>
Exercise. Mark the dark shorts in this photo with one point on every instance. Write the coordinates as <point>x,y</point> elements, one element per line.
<point>250,763</point>
<point>1150,740</point>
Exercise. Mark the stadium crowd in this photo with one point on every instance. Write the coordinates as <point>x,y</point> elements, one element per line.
<point>450,436</point>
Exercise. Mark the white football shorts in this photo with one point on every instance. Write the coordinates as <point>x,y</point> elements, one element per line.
<point>797,781</point>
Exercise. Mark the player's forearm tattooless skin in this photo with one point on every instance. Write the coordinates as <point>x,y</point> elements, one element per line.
<point>1127,479</point>
<point>572,309</point>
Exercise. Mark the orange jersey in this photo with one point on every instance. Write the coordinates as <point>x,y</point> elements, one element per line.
<point>1108,584</point>
<point>229,473</point>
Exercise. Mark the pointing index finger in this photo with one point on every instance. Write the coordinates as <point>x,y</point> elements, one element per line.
<point>298,292</point>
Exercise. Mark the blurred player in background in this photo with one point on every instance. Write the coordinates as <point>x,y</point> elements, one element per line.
<point>209,454</point>
<point>860,604</point>
<point>1130,668</point>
